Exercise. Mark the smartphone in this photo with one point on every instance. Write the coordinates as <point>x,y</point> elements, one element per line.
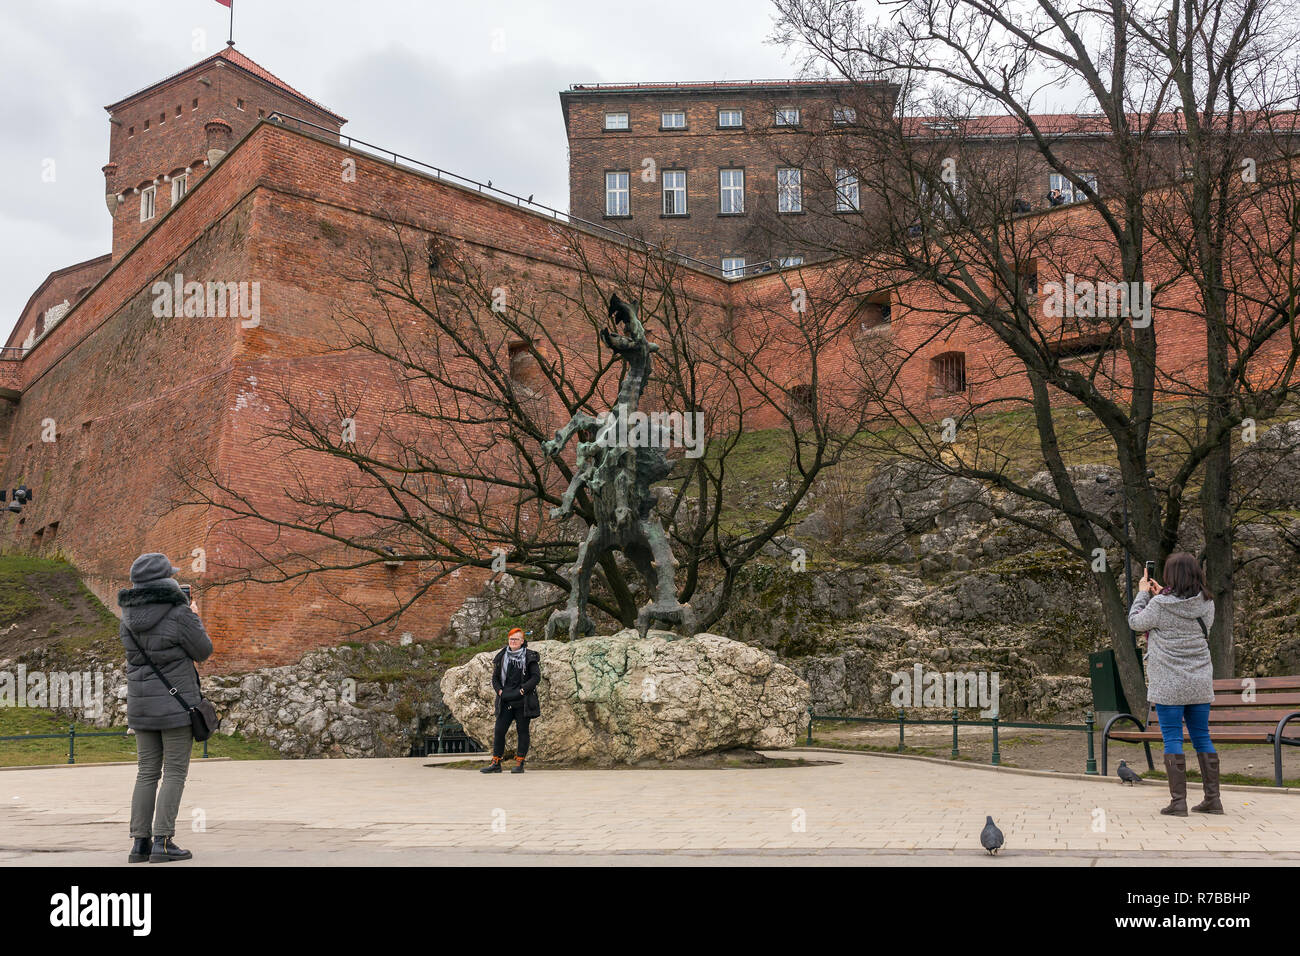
<point>189,598</point>
<point>1151,570</point>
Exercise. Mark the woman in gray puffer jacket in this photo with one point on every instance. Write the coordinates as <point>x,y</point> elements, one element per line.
<point>157,617</point>
<point>1180,677</point>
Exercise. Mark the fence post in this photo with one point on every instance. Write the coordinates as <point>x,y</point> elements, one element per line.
<point>72,743</point>
<point>1091,766</point>
<point>902,721</point>
<point>997,757</point>
<point>205,750</point>
<point>810,720</point>
<point>955,717</point>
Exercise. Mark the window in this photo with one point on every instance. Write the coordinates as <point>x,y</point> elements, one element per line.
<point>948,373</point>
<point>674,192</point>
<point>178,109</point>
<point>788,262</point>
<point>148,195</point>
<point>731,185</point>
<point>616,197</point>
<point>846,191</point>
<point>673,119</point>
<point>194,105</point>
<point>616,121</point>
<point>261,114</point>
<point>179,185</point>
<point>731,118</point>
<point>844,115</point>
<point>162,117</point>
<point>146,126</point>
<point>873,311</point>
<point>787,116</point>
<point>938,202</point>
<point>789,190</point>
<point>801,399</point>
<point>733,267</point>
<point>239,104</point>
<point>1068,193</point>
<point>130,131</point>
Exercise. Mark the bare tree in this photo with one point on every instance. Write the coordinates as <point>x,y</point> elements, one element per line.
<point>460,364</point>
<point>1172,100</point>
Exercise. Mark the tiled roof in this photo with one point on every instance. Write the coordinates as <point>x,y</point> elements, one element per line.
<point>705,85</point>
<point>232,56</point>
<point>1078,124</point>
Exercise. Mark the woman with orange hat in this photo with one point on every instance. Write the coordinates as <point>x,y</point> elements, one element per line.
<point>516,672</point>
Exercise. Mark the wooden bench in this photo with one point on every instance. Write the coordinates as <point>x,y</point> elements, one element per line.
<point>1233,720</point>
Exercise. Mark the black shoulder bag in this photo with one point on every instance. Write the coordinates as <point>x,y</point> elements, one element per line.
<point>203,716</point>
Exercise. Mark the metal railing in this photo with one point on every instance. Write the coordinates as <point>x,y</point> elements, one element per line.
<point>399,159</point>
<point>450,739</point>
<point>72,736</point>
<point>955,722</point>
<point>11,353</point>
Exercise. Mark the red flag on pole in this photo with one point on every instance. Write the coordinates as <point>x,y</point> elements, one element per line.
<point>227,3</point>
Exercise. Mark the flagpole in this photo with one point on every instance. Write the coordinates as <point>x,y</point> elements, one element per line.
<point>231,40</point>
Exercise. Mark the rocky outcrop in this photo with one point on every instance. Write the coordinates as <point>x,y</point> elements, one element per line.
<point>368,700</point>
<point>624,699</point>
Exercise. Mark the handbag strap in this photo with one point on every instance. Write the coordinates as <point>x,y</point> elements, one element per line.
<point>171,690</point>
<point>1204,632</point>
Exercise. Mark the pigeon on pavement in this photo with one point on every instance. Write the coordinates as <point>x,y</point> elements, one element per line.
<point>991,837</point>
<point>1126,775</point>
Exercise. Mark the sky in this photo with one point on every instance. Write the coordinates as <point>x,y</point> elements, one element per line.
<point>471,87</point>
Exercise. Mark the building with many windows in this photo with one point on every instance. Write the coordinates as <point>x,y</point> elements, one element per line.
<point>743,175</point>
<point>701,167</point>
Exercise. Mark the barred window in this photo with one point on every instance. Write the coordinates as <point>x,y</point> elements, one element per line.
<point>948,372</point>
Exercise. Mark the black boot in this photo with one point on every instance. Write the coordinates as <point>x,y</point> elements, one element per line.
<point>519,765</point>
<point>493,767</point>
<point>165,850</point>
<point>139,850</point>
<point>1176,770</point>
<point>1209,784</point>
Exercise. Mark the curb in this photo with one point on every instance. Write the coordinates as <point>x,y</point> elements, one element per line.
<point>104,763</point>
<point>1021,770</point>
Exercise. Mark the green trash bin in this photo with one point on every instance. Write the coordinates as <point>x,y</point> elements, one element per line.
<point>1107,691</point>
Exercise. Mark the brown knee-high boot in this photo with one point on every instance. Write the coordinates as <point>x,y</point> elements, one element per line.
<point>1210,784</point>
<point>1176,770</point>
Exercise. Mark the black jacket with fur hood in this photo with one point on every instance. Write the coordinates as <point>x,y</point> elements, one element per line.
<point>174,638</point>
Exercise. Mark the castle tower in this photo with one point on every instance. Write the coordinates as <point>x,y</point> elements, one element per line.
<point>167,136</point>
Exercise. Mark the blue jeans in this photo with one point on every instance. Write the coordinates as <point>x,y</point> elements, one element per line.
<point>1197,716</point>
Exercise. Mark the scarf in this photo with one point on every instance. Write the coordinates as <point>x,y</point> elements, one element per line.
<point>512,657</point>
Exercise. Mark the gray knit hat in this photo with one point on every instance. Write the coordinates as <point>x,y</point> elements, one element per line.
<point>151,567</point>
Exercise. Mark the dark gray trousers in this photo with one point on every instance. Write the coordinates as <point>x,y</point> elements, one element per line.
<point>164,753</point>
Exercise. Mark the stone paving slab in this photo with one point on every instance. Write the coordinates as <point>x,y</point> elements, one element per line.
<point>864,809</point>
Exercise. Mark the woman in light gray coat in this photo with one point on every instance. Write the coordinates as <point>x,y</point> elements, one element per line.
<point>160,622</point>
<point>1180,677</point>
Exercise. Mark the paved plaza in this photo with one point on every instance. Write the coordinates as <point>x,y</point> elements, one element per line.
<point>865,809</point>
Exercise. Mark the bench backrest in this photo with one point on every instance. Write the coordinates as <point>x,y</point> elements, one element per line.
<point>1247,704</point>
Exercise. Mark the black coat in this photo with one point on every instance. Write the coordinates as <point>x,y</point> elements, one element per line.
<point>174,638</point>
<point>527,692</point>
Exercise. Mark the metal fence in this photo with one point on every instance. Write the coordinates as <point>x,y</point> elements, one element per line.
<point>72,736</point>
<point>956,721</point>
<point>450,739</point>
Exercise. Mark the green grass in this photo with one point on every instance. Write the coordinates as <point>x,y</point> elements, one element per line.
<point>30,720</point>
<point>1239,779</point>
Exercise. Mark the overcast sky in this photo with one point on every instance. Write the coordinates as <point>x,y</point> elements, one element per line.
<point>468,86</point>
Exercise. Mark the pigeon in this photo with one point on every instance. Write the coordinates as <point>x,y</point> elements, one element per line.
<point>991,837</point>
<point>1126,775</point>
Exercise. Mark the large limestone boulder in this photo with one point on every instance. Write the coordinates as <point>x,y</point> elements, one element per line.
<point>623,699</point>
